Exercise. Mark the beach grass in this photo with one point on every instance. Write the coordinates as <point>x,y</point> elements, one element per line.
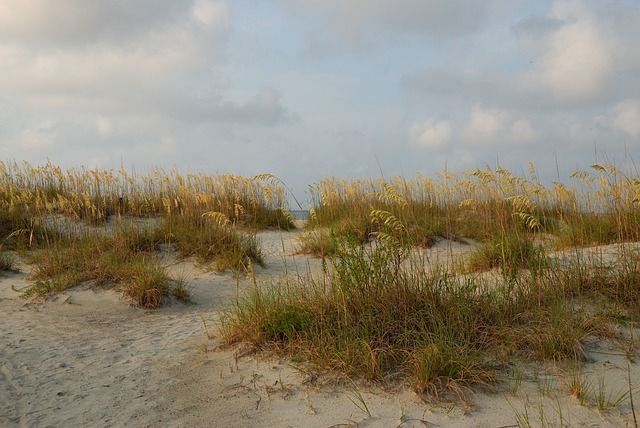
<point>212,239</point>
<point>600,207</point>
<point>379,311</point>
<point>7,261</point>
<point>105,227</point>
<point>373,316</point>
<point>124,259</point>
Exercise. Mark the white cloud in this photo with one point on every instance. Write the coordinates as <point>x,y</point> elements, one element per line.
<point>40,137</point>
<point>579,55</point>
<point>494,126</point>
<point>521,131</point>
<point>485,127</point>
<point>167,145</point>
<point>140,81</point>
<point>571,9</point>
<point>211,14</point>
<point>264,108</point>
<point>104,125</point>
<point>78,22</point>
<point>430,134</point>
<point>578,63</point>
<point>627,117</point>
<point>578,51</point>
<point>485,122</point>
<point>150,65</point>
<point>164,71</point>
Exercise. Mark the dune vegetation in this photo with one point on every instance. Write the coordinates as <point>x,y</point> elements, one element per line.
<point>380,309</point>
<point>106,227</point>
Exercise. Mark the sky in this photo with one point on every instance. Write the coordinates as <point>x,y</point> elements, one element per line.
<point>308,89</point>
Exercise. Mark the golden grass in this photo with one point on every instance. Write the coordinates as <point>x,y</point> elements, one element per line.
<point>373,311</point>
<point>601,206</point>
<point>212,217</point>
<point>92,195</point>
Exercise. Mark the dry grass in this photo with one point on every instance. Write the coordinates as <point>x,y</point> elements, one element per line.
<point>94,195</point>
<point>378,313</point>
<point>600,207</point>
<point>189,207</point>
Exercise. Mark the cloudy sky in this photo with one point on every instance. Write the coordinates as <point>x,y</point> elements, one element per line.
<point>306,89</point>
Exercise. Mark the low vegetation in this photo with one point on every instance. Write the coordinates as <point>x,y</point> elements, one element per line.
<point>83,226</point>
<point>7,262</point>
<point>211,238</point>
<point>482,204</point>
<point>124,259</point>
<point>378,310</point>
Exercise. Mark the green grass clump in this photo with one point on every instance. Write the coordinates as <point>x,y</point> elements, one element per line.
<point>612,285</point>
<point>149,286</point>
<point>125,259</point>
<point>317,242</point>
<point>510,253</point>
<point>582,229</point>
<point>327,241</point>
<point>7,261</point>
<point>211,238</point>
<point>20,231</point>
<point>378,315</point>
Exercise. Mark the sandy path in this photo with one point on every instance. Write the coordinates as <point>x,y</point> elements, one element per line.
<point>94,360</point>
<point>90,359</point>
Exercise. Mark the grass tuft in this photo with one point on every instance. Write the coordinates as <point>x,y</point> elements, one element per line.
<point>150,287</point>
<point>125,259</point>
<point>69,223</point>
<point>211,240</point>
<point>7,261</point>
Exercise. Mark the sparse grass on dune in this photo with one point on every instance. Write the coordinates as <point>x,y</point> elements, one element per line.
<point>126,260</point>
<point>7,261</point>
<point>375,313</point>
<point>20,231</point>
<point>148,284</point>
<point>211,238</point>
<point>189,207</point>
<point>372,317</point>
<point>376,310</point>
<point>615,285</point>
<point>510,253</point>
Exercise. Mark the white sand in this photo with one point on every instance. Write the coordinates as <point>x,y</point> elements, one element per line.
<point>90,359</point>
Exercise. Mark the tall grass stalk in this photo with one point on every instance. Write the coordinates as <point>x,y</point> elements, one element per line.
<point>485,204</point>
<point>92,195</point>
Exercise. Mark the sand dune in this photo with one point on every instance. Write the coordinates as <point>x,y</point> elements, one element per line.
<point>88,358</point>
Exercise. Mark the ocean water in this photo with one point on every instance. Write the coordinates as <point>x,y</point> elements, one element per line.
<point>300,214</point>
